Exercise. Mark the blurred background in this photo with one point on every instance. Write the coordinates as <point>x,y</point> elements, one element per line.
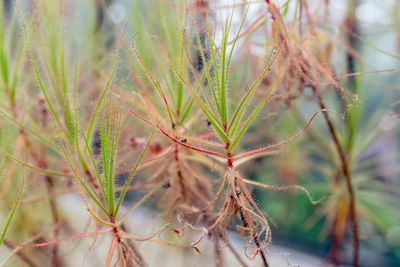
<point>358,36</point>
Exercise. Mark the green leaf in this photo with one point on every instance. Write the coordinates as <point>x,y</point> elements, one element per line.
<point>207,111</point>
<point>45,140</point>
<point>42,88</point>
<point>256,111</point>
<point>244,103</point>
<point>33,167</point>
<point>207,71</point>
<point>80,180</point>
<point>94,116</point>
<point>128,181</point>
<point>3,234</point>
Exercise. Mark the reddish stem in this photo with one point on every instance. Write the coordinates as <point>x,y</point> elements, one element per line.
<point>131,111</point>
<point>21,255</point>
<point>346,174</point>
<point>61,240</point>
<point>249,28</point>
<point>189,146</point>
<point>179,172</point>
<point>252,152</point>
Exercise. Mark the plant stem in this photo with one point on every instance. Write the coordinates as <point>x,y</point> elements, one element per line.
<point>49,185</point>
<point>255,238</point>
<point>41,162</point>
<point>244,222</point>
<point>234,252</point>
<point>139,258</point>
<point>118,237</point>
<point>346,174</point>
<point>264,259</point>
<point>218,254</point>
<point>56,219</point>
<point>20,254</point>
<point>179,172</point>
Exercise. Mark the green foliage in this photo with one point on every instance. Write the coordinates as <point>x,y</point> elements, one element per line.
<point>203,110</point>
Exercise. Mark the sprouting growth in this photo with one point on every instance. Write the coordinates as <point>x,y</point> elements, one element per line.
<point>192,111</point>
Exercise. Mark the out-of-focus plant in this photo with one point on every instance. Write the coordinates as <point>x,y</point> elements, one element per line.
<point>191,93</point>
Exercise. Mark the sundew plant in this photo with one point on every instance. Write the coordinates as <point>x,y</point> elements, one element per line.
<point>135,131</point>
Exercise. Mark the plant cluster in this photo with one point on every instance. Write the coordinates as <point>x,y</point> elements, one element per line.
<point>168,104</point>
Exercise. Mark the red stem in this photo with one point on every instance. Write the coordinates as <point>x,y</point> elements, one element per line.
<point>179,172</point>
<point>61,240</point>
<point>189,146</point>
<point>21,255</point>
<point>252,152</point>
<point>346,174</point>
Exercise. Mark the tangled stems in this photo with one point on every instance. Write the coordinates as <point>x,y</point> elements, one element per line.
<point>238,200</point>
<point>236,193</point>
